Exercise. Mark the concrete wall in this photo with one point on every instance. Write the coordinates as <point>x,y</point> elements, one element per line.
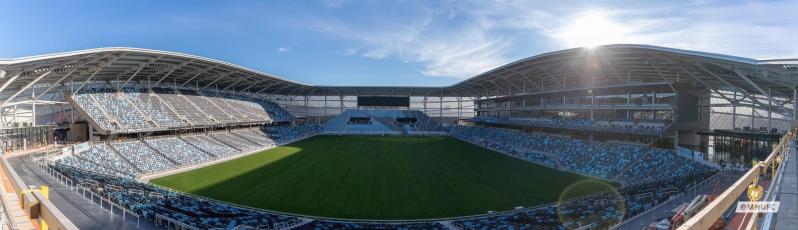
<point>26,200</point>
<point>78,132</point>
<point>689,117</point>
<point>36,206</point>
<point>51,215</point>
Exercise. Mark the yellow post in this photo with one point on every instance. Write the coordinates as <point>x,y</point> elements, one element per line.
<point>773,170</point>
<point>43,225</point>
<point>45,191</point>
<point>755,192</point>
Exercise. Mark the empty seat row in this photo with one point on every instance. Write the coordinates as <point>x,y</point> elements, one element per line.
<point>134,108</point>
<point>132,159</point>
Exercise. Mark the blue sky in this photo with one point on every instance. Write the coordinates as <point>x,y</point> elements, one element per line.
<point>382,42</point>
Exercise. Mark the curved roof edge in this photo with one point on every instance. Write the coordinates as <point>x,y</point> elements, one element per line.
<point>140,50</point>
<point>720,57</point>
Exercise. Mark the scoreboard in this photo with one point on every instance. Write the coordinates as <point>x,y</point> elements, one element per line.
<point>383,101</point>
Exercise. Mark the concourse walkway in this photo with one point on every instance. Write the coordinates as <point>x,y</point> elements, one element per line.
<point>84,213</point>
<point>787,217</point>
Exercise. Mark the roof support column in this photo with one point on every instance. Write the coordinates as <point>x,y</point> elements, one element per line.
<point>734,110</point>
<point>33,107</point>
<point>459,107</point>
<point>676,139</point>
<point>770,112</point>
<point>752,116</point>
<point>523,102</point>
<point>592,104</point>
<point>307,110</point>
<point>440,106</point>
<point>795,103</point>
<point>424,104</point>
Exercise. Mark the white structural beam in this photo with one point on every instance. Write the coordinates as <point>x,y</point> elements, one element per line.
<point>527,80</point>
<point>547,74</point>
<point>681,67</point>
<point>37,102</point>
<point>608,64</point>
<point>9,81</point>
<point>97,71</point>
<point>662,76</point>
<point>254,84</point>
<point>280,89</point>
<point>206,70</point>
<point>752,83</point>
<point>55,84</point>
<point>236,82</point>
<point>269,86</point>
<point>762,91</point>
<point>511,84</point>
<point>710,73</point>
<point>751,99</point>
<point>144,65</point>
<point>181,65</point>
<point>25,87</point>
<point>220,78</point>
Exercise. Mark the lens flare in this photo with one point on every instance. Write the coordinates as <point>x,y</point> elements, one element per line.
<point>576,206</point>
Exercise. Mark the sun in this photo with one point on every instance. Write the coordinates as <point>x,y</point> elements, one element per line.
<point>592,28</point>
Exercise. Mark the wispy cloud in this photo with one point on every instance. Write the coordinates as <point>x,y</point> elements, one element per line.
<point>463,39</point>
<point>441,46</point>
<point>283,49</point>
<point>350,52</point>
<point>751,29</point>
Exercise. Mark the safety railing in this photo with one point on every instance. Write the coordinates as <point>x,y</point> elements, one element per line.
<point>547,124</point>
<point>707,217</point>
<point>170,223</point>
<point>104,202</point>
<point>772,192</point>
<point>684,195</point>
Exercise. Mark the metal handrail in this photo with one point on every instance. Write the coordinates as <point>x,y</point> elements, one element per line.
<point>77,187</point>
<point>713,211</point>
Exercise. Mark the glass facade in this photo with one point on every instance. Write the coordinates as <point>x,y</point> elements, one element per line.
<point>741,147</point>
<point>322,106</point>
<point>648,103</point>
<point>20,138</point>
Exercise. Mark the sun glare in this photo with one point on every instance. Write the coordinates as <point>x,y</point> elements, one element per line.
<point>591,29</point>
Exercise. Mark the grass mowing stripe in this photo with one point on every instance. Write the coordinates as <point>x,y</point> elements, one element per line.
<point>366,177</point>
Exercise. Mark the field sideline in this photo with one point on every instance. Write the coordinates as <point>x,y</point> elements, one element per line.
<point>366,177</point>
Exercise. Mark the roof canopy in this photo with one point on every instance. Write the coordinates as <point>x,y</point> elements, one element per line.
<point>565,69</point>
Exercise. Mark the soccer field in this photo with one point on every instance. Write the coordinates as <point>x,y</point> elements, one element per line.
<point>363,177</point>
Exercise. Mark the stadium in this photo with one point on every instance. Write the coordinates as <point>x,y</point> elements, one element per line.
<point>621,136</point>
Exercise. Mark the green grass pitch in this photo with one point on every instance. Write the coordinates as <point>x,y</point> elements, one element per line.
<point>362,177</point>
